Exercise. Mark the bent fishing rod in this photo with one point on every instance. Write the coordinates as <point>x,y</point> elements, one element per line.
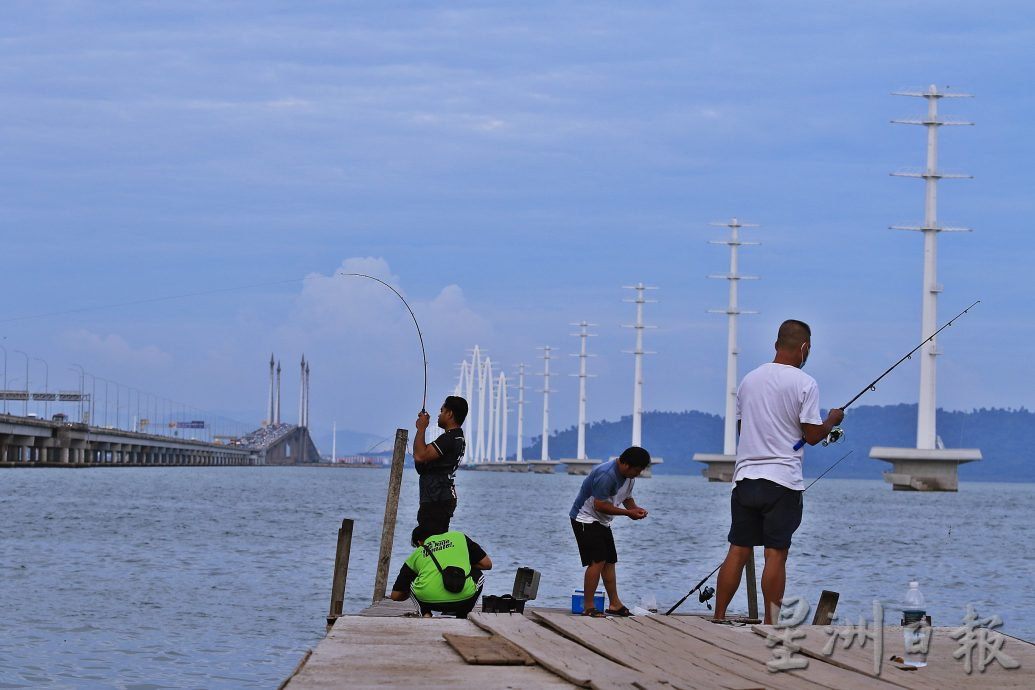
<point>424,354</point>
<point>837,433</point>
<point>708,592</point>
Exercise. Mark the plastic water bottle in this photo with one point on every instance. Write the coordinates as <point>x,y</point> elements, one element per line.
<point>913,611</point>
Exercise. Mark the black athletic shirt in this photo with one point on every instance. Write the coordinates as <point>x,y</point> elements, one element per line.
<point>436,476</point>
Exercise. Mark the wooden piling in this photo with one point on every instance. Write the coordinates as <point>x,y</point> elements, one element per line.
<point>384,558</point>
<point>752,586</point>
<point>341,571</point>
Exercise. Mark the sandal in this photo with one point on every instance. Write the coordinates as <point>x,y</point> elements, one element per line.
<point>592,613</point>
<point>623,612</point>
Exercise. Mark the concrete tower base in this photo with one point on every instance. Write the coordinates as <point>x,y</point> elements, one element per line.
<point>579,466</point>
<point>915,469</point>
<point>719,467</point>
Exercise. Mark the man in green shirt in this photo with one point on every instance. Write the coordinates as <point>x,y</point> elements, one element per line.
<point>420,578</point>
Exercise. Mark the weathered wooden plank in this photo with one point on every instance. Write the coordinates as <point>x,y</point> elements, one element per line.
<point>942,670</point>
<point>741,650</point>
<point>388,608</point>
<point>645,644</point>
<point>566,658</point>
<point>489,651</point>
<point>363,653</point>
<point>825,608</point>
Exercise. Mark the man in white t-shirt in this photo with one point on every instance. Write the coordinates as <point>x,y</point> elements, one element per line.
<point>777,407</point>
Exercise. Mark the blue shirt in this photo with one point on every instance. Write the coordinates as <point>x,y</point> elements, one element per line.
<point>603,483</point>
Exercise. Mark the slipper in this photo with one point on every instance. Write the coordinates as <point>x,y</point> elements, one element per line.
<point>592,613</point>
<point>621,613</point>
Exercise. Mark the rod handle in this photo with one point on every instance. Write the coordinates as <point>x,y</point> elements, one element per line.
<point>799,444</point>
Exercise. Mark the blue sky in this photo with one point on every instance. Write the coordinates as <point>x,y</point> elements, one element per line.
<point>509,167</point>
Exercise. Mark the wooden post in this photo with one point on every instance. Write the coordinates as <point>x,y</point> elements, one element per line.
<point>384,558</point>
<point>341,570</point>
<point>825,608</point>
<point>752,588</point>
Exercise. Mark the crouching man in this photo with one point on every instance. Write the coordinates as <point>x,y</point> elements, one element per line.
<point>444,573</point>
<point>605,493</point>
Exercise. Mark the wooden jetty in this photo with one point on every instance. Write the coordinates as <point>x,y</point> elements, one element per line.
<point>383,647</point>
<point>549,648</point>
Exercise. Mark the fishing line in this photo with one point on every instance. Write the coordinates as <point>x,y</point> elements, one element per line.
<point>149,300</point>
<point>837,433</point>
<point>708,592</point>
<point>420,335</point>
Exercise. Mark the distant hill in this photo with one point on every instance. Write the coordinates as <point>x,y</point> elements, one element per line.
<point>676,436</point>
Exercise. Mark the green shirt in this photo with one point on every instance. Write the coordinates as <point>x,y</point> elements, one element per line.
<point>450,549</point>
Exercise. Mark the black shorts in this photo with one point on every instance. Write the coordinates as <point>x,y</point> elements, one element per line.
<point>460,609</point>
<point>764,514</point>
<point>596,542</point>
<point>436,514</point>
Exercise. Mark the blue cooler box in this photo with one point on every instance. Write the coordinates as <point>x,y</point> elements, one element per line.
<point>576,600</point>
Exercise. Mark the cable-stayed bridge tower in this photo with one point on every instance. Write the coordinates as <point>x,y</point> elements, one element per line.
<point>929,466</point>
<point>720,467</point>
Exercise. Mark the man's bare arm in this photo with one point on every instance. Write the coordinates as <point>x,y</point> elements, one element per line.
<point>814,433</point>
<point>422,452</point>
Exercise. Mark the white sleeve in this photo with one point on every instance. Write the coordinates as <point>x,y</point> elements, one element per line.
<point>810,404</point>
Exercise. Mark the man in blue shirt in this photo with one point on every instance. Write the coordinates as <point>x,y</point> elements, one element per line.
<point>606,492</point>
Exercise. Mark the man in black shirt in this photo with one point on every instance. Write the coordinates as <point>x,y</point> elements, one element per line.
<point>436,464</point>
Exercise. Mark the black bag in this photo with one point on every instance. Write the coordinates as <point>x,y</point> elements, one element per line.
<point>453,578</point>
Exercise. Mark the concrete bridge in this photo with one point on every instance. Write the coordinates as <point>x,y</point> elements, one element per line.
<point>32,442</point>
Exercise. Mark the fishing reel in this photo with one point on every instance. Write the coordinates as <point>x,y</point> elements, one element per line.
<point>835,435</point>
<point>706,594</point>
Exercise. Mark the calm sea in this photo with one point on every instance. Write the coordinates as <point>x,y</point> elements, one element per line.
<point>220,577</point>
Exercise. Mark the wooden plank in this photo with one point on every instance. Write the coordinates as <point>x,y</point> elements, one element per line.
<point>568,659</point>
<point>742,650</point>
<point>942,670</point>
<point>825,608</point>
<point>643,643</point>
<point>366,653</point>
<point>490,651</point>
<point>388,608</point>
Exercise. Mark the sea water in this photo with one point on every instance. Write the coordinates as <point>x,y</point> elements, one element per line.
<point>143,578</point>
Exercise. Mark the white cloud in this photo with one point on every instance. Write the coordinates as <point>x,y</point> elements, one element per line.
<point>363,347</point>
<point>115,349</point>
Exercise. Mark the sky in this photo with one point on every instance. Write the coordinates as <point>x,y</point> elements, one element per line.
<point>182,183</point>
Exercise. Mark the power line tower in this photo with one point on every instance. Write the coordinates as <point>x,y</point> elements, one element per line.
<point>638,353</point>
<point>732,311</point>
<point>582,335</point>
<point>939,471</point>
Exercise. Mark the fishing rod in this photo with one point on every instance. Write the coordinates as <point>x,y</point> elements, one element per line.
<point>708,592</point>
<point>424,354</point>
<point>837,433</point>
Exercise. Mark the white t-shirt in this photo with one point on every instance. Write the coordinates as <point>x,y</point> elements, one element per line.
<point>773,401</point>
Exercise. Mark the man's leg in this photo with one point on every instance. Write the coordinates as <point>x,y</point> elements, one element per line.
<point>611,586</point>
<point>729,577</point>
<point>774,579</point>
<point>590,582</point>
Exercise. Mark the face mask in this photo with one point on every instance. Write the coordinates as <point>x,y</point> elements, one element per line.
<point>804,355</point>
